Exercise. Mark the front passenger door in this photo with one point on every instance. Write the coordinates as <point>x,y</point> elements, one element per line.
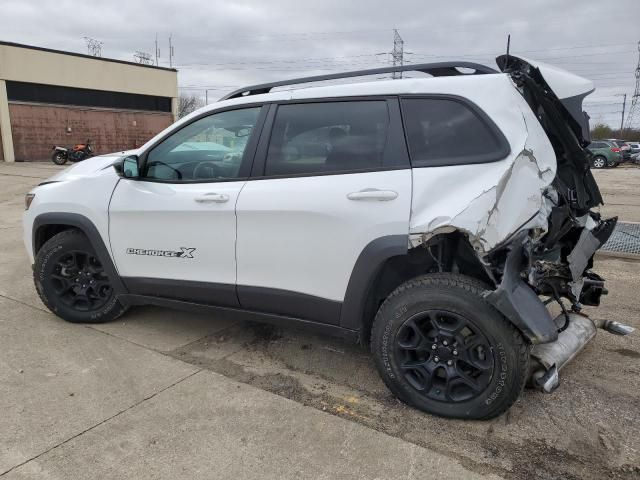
<point>173,230</point>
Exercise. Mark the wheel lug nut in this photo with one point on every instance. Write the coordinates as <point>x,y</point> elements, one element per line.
<point>436,359</point>
<point>450,362</point>
<point>434,346</point>
<point>455,352</point>
<point>445,343</point>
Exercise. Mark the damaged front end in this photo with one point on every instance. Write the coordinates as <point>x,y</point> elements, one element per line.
<point>554,263</point>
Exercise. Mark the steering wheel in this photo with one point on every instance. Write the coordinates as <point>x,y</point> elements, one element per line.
<point>206,170</point>
<point>176,171</point>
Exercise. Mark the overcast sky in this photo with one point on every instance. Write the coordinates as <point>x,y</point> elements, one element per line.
<point>220,45</point>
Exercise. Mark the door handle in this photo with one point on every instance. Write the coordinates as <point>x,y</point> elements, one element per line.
<point>212,198</point>
<point>373,194</point>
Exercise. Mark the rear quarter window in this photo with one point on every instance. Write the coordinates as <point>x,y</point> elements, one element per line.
<point>450,131</point>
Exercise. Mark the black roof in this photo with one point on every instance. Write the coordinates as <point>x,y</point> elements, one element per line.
<point>75,54</point>
<point>440,69</point>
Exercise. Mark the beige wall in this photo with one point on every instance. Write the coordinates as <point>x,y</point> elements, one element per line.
<point>5,125</point>
<point>36,66</point>
<point>31,65</point>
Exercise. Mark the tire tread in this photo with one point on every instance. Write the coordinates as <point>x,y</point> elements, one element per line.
<point>57,239</point>
<point>476,288</point>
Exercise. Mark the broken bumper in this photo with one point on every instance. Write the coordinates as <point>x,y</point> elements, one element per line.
<point>532,269</point>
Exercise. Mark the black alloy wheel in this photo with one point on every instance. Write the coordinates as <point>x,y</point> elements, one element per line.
<point>80,282</point>
<point>444,356</point>
<point>72,280</point>
<point>441,347</point>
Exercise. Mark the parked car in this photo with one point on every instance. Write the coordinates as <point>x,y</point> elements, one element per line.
<point>635,151</point>
<point>429,218</point>
<point>625,149</point>
<point>605,154</point>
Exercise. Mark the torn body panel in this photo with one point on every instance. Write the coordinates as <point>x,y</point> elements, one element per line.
<point>489,202</point>
<point>528,216</point>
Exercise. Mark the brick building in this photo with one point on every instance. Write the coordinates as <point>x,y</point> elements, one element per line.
<point>52,97</point>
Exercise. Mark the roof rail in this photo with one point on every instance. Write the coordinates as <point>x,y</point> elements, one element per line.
<point>440,69</point>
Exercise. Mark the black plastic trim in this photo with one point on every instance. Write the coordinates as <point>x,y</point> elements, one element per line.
<point>518,302</point>
<point>205,293</point>
<point>294,304</point>
<point>85,225</point>
<point>363,276</point>
<point>500,154</point>
<point>438,69</point>
<point>244,315</point>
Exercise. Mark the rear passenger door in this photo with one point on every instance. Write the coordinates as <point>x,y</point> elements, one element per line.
<point>329,178</point>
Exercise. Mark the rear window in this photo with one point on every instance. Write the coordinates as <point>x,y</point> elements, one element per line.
<point>443,131</point>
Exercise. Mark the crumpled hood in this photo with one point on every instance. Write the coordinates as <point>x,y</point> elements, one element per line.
<point>90,166</point>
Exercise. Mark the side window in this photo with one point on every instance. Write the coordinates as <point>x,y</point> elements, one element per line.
<point>315,138</point>
<point>597,145</point>
<point>211,148</point>
<point>449,132</point>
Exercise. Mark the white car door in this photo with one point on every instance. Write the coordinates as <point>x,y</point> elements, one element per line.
<point>173,229</point>
<point>333,178</point>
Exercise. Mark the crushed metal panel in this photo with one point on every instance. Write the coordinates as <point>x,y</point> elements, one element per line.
<point>489,202</point>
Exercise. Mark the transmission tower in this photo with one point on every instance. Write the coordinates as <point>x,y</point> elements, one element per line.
<point>143,57</point>
<point>94,47</point>
<point>397,54</point>
<point>634,110</point>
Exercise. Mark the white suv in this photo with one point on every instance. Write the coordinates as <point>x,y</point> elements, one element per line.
<point>430,216</point>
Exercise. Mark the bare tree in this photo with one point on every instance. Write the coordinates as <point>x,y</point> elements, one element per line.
<point>188,104</point>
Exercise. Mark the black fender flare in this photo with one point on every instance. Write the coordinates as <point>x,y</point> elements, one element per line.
<point>517,301</point>
<point>364,272</point>
<point>87,227</point>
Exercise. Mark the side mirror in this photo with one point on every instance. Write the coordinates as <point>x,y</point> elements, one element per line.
<point>127,167</point>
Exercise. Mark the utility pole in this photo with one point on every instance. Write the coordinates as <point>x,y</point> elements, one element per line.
<point>157,51</point>
<point>170,52</point>
<point>624,105</point>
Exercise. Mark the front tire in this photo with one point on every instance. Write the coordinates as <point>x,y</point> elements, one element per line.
<point>440,347</point>
<point>59,158</point>
<point>71,281</point>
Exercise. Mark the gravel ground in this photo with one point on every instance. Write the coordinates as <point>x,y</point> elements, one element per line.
<point>589,428</point>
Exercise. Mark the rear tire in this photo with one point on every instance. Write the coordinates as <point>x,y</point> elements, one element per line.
<point>71,281</point>
<point>59,158</point>
<point>612,163</point>
<point>440,347</point>
<point>598,162</point>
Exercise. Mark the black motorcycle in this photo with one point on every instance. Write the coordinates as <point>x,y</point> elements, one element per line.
<point>77,153</point>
